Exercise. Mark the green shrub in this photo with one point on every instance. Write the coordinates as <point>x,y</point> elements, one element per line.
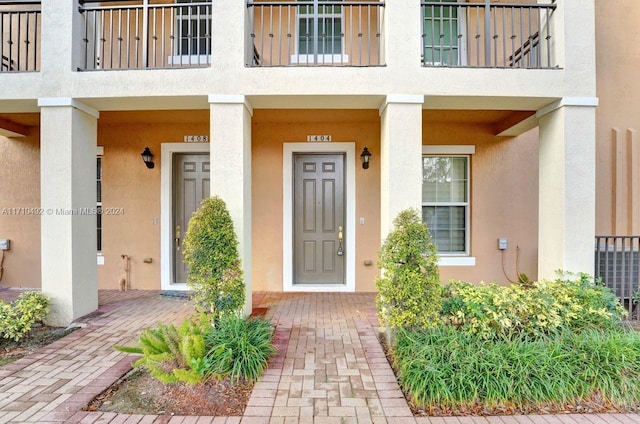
<point>548,307</point>
<point>409,291</point>
<point>17,317</point>
<point>211,254</point>
<point>173,354</point>
<point>449,368</point>
<point>239,348</point>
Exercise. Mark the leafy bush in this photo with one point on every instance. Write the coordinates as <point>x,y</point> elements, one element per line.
<point>173,354</point>
<point>17,317</point>
<point>449,368</point>
<point>211,253</point>
<point>409,291</point>
<point>494,311</point>
<point>239,348</point>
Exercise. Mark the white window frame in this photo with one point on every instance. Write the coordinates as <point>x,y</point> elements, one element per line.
<point>462,48</point>
<point>455,258</point>
<point>180,57</point>
<point>99,155</point>
<point>298,57</point>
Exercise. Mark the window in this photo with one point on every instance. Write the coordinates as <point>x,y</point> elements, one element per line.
<point>445,201</point>
<point>99,203</point>
<point>193,29</point>
<point>320,33</point>
<point>443,41</point>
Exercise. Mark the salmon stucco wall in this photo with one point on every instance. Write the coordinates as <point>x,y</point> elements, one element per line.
<point>272,128</point>
<point>503,200</point>
<point>19,209</point>
<point>128,186</point>
<point>618,118</point>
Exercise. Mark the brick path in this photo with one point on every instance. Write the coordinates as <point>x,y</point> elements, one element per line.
<point>331,368</point>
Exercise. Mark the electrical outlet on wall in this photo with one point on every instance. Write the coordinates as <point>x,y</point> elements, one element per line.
<point>5,244</point>
<point>502,243</point>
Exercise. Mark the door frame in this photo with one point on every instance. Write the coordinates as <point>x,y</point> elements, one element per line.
<point>288,150</point>
<point>168,150</point>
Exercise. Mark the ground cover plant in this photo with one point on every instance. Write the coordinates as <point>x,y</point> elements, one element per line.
<point>545,346</point>
<point>17,317</point>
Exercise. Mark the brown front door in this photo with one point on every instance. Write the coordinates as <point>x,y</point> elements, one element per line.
<point>190,186</point>
<point>318,212</point>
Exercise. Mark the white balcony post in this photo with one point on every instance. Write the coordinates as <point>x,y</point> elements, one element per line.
<point>400,157</point>
<point>60,38</point>
<point>68,134</point>
<point>231,170</point>
<point>567,169</point>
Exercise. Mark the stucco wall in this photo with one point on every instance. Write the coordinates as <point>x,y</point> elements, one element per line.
<point>618,118</point>
<point>19,204</point>
<point>129,185</point>
<point>272,128</point>
<point>504,199</point>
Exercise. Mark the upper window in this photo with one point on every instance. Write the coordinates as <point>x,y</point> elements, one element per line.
<point>443,42</point>
<point>445,201</point>
<point>320,32</point>
<point>193,28</point>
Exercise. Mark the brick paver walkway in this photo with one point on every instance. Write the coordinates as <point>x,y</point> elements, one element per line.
<point>331,368</point>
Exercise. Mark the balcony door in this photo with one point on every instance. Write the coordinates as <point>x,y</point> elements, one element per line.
<point>444,38</point>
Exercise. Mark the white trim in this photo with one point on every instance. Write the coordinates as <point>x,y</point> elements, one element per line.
<point>568,101</point>
<point>417,99</point>
<point>194,59</point>
<point>449,149</point>
<point>67,102</point>
<point>288,149</point>
<point>231,99</point>
<point>322,58</point>
<point>456,261</point>
<point>167,150</point>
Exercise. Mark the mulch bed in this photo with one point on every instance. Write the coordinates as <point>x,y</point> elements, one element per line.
<point>39,336</point>
<point>139,393</point>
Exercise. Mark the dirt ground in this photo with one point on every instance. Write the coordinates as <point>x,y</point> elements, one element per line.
<point>139,393</point>
<point>39,336</point>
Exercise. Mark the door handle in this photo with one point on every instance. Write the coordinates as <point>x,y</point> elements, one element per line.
<point>177,236</point>
<point>340,249</point>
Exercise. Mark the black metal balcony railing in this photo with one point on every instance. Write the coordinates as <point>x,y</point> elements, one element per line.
<point>617,263</point>
<point>488,34</point>
<point>315,33</point>
<point>19,36</point>
<point>139,35</point>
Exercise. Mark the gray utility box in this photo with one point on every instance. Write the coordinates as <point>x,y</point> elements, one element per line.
<point>5,244</point>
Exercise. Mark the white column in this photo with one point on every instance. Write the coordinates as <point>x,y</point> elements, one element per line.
<point>400,157</point>
<point>231,170</point>
<point>567,172</point>
<point>60,53</point>
<point>68,134</point>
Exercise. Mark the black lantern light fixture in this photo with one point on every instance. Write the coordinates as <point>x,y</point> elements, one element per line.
<point>147,158</point>
<point>364,157</point>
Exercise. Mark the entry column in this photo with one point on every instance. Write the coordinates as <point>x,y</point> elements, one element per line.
<point>231,169</point>
<point>68,135</point>
<point>400,157</point>
<point>567,196</point>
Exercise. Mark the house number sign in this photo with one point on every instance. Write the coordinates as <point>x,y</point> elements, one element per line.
<point>196,138</point>
<point>318,138</point>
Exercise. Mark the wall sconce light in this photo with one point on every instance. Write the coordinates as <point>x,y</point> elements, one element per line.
<point>364,157</point>
<point>147,158</point>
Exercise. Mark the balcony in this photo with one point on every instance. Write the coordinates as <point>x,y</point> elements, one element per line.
<point>487,34</point>
<point>19,36</point>
<point>315,33</point>
<point>136,34</point>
